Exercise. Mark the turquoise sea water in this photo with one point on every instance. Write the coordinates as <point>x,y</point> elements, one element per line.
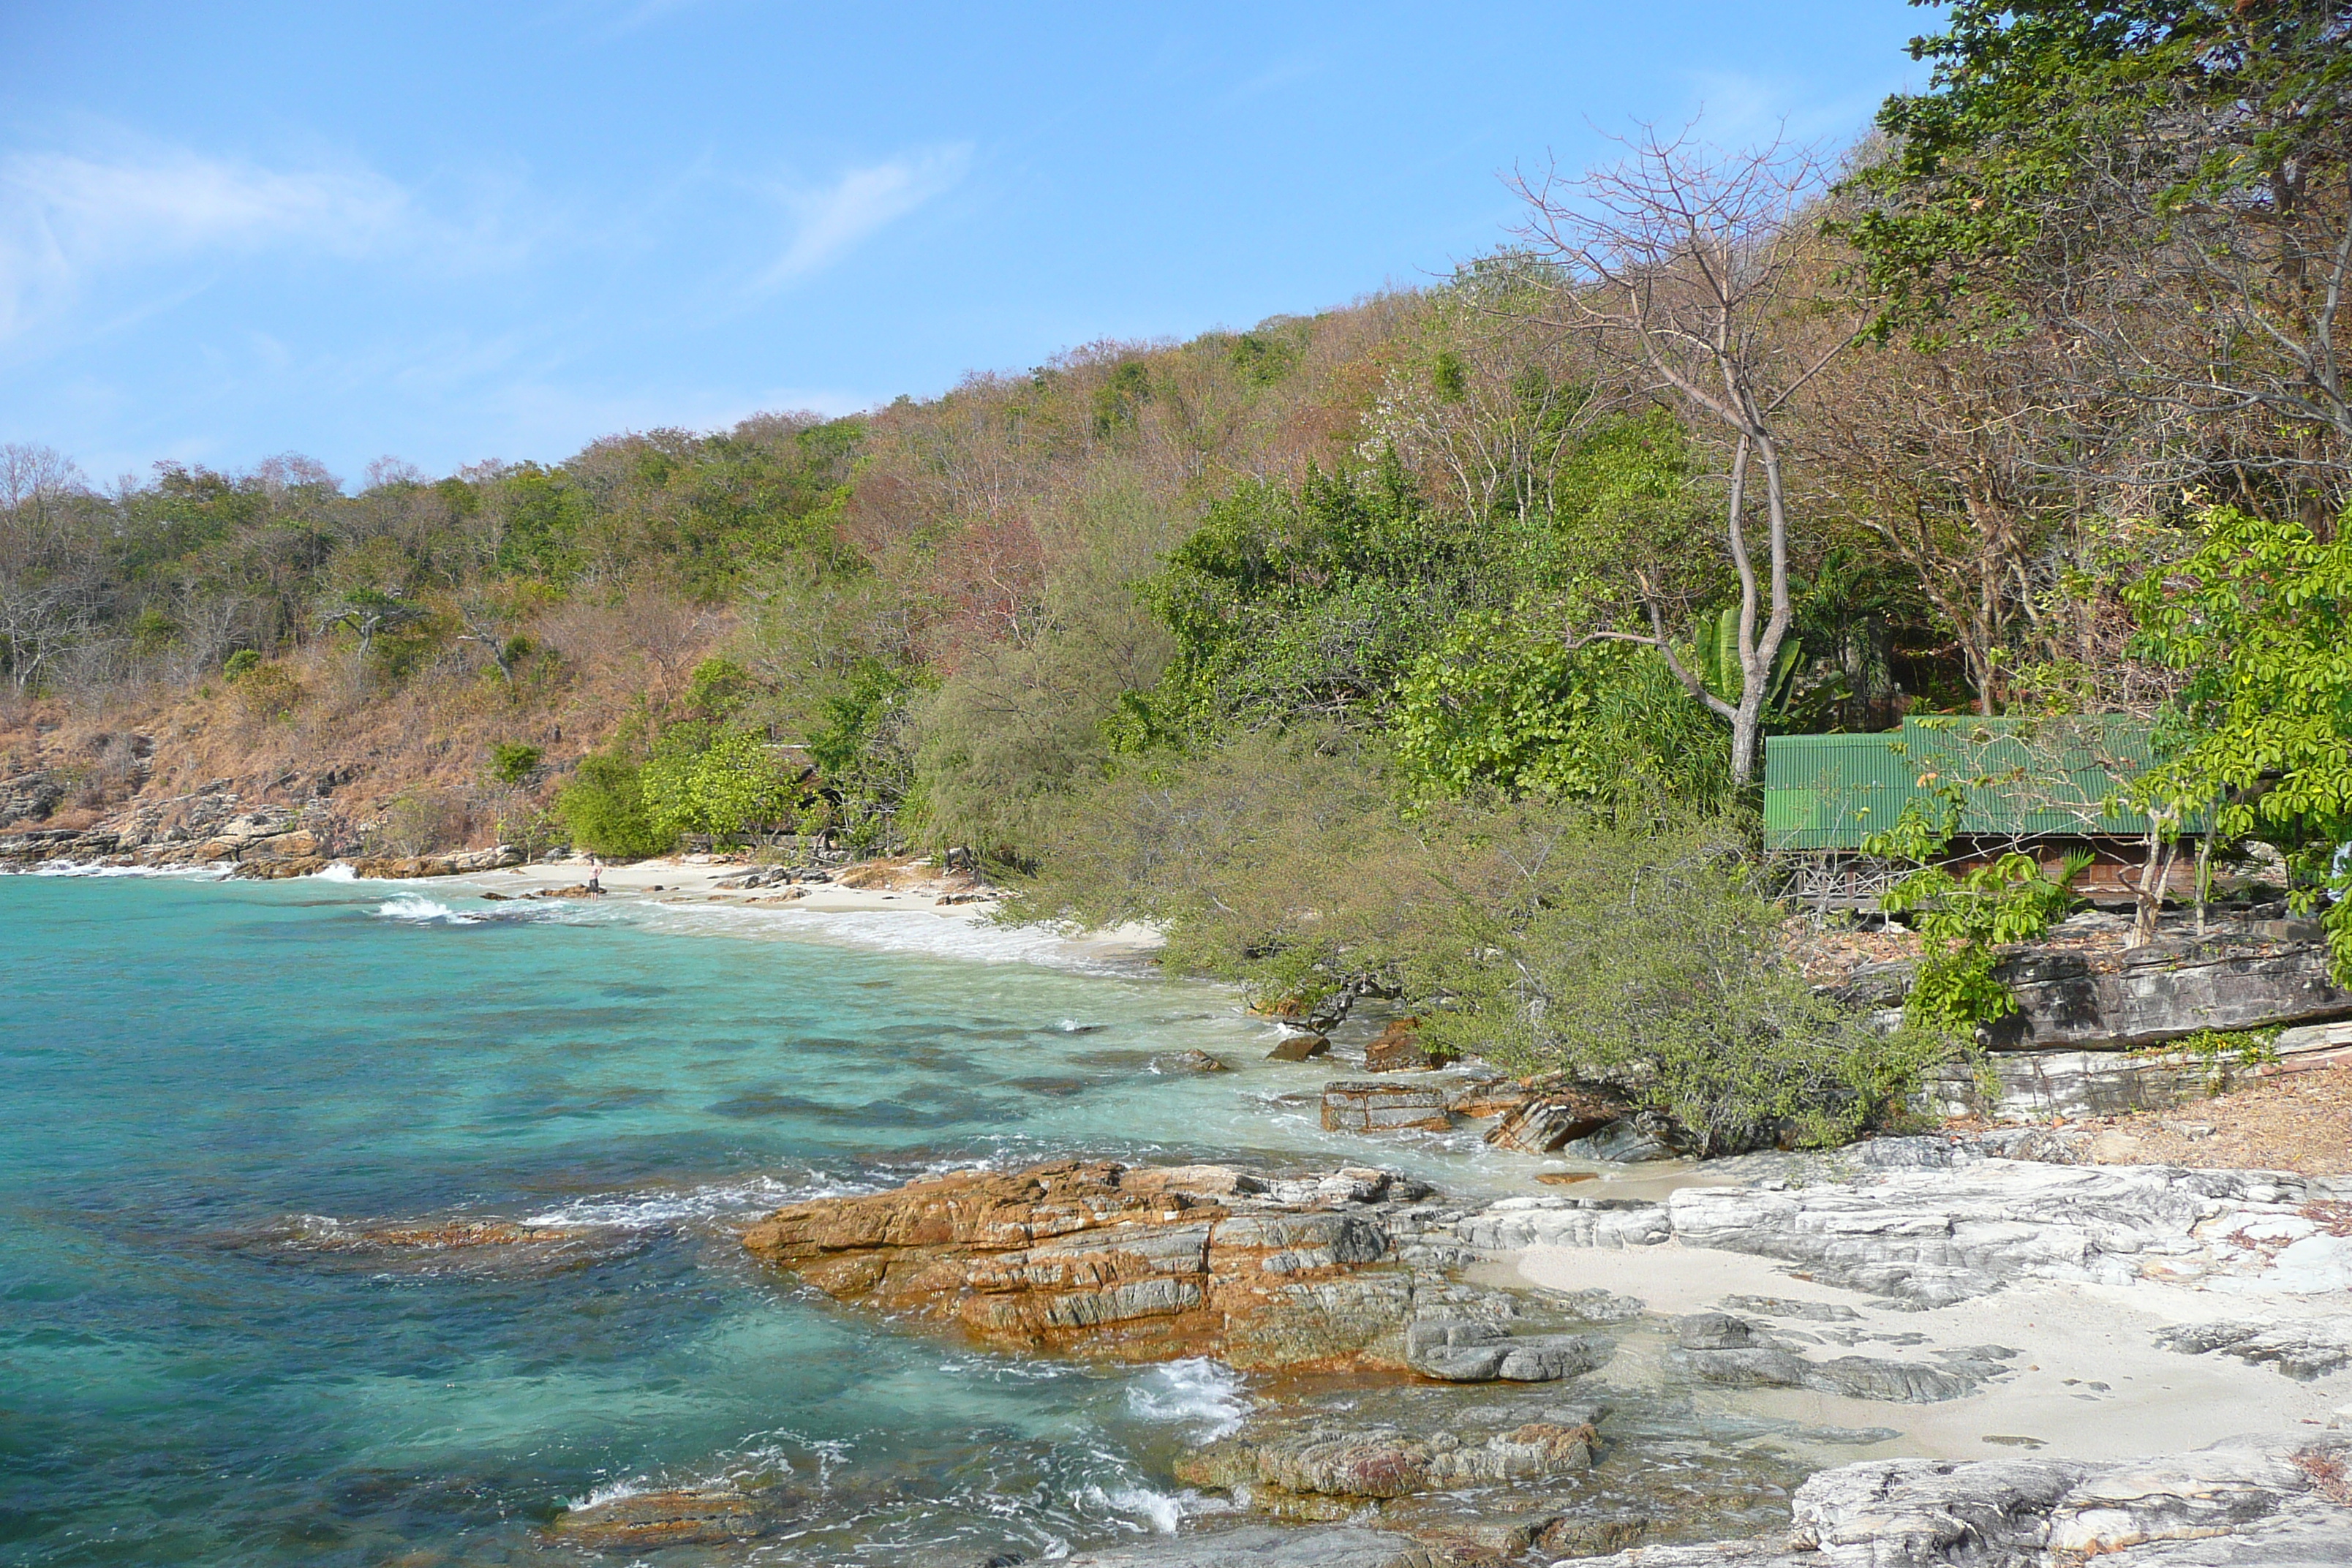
<point>209,1092</point>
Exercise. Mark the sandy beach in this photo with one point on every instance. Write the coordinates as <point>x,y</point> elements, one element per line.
<point>2092,1382</point>
<point>908,887</point>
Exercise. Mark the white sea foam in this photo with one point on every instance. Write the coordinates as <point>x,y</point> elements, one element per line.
<point>972,938</point>
<point>662,1210</point>
<point>422,911</point>
<point>340,871</point>
<point>1195,1392</point>
<point>613,1491</point>
<point>1164,1511</point>
<point>92,868</point>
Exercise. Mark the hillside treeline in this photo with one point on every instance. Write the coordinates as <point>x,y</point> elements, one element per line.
<point>1382,646</point>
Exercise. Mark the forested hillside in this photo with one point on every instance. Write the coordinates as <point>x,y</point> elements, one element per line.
<point>1392,643</point>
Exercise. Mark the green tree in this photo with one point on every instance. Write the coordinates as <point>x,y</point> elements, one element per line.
<point>1505,703</point>
<point>727,789</point>
<point>2162,189</point>
<point>513,762</point>
<point>2260,619</point>
<point>1289,603</point>
<point>603,809</point>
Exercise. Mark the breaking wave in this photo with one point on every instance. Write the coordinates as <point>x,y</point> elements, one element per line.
<point>1196,1392</point>
<point>422,911</point>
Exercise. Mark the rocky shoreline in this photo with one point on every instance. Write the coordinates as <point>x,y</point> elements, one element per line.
<point>1439,1381</point>
<point>1451,1385</point>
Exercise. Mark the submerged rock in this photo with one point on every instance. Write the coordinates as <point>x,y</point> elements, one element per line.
<point>691,1516</point>
<point>1096,1259</point>
<point>1300,1048</point>
<point>1262,1546</point>
<point>1356,1106</point>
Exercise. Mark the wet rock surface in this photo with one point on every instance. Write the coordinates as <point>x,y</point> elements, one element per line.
<point>1543,1125</point>
<point>1359,1106</point>
<point>1300,1048</point>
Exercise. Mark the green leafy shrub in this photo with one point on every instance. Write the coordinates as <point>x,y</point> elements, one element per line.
<point>1644,956</point>
<point>727,787</point>
<point>1503,702</point>
<point>243,662</point>
<point>603,809</point>
<point>269,692</point>
<point>1630,948</point>
<point>2220,1058</point>
<point>1962,918</point>
<point>512,763</point>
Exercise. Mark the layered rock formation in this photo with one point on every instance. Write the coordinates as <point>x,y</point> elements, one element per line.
<point>2147,995</point>
<point>2237,1505</point>
<point>1934,1221</point>
<point>216,826</point>
<point>1725,1351</point>
<point>2269,1505</point>
<point>1091,1258</point>
<point>1357,1106</point>
<point>1331,1473</point>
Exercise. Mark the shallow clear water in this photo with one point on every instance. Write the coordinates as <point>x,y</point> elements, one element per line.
<point>208,1091</point>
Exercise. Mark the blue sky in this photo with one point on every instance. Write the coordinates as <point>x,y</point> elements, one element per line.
<point>453,232</point>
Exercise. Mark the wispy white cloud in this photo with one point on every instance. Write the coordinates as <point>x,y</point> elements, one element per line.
<point>68,217</point>
<point>178,198</point>
<point>1739,107</point>
<point>828,223</point>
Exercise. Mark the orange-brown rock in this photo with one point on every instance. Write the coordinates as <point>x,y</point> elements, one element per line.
<point>1099,1261</point>
<point>1495,1097</point>
<point>1543,1124</point>
<point>1400,1047</point>
<point>693,1516</point>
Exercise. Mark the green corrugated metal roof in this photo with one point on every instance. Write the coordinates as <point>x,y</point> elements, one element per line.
<point>2021,777</point>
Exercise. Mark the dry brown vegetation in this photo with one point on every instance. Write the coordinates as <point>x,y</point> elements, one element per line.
<point>2288,1121</point>
<point>330,724</point>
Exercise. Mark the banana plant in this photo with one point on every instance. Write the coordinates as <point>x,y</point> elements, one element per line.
<point>1716,640</point>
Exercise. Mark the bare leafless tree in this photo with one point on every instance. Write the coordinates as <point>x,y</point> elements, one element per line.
<point>48,580</point>
<point>1496,408</point>
<point>1696,267</point>
<point>489,624</point>
<point>1952,461</point>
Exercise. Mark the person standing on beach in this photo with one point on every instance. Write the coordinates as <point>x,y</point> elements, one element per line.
<point>596,877</point>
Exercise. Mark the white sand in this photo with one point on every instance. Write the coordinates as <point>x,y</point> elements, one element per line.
<point>916,890</point>
<point>2074,1336</point>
